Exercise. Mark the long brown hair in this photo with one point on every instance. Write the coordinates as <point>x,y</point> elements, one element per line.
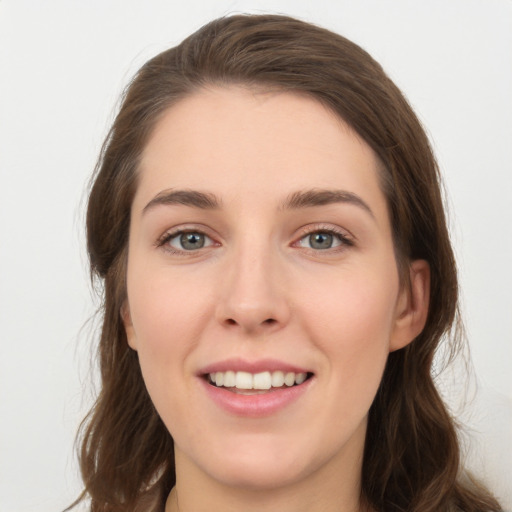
<point>411,458</point>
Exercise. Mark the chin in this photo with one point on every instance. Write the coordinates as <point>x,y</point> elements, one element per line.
<point>259,463</point>
<point>253,474</point>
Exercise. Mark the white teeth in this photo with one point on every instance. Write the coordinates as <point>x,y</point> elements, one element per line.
<point>277,379</point>
<point>289,379</point>
<point>300,378</point>
<point>243,380</point>
<point>229,379</point>
<point>262,380</point>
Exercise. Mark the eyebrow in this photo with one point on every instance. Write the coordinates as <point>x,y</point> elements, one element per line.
<point>193,198</point>
<point>322,197</point>
<point>296,200</point>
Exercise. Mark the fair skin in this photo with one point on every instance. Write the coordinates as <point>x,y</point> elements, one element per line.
<point>282,257</point>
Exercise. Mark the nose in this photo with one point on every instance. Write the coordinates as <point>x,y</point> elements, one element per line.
<point>253,293</point>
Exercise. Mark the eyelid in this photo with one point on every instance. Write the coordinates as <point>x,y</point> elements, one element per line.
<point>343,235</point>
<point>162,241</point>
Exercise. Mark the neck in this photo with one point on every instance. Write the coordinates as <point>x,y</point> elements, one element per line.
<point>258,501</point>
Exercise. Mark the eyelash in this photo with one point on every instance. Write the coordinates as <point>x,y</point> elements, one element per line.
<point>345,241</point>
<point>163,242</point>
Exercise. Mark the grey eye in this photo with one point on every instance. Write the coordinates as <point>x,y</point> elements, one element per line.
<point>190,241</point>
<point>320,240</point>
<point>323,240</point>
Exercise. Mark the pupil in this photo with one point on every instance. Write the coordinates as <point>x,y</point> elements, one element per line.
<point>320,240</point>
<point>192,240</point>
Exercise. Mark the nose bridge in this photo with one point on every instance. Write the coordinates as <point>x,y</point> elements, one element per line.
<point>253,294</point>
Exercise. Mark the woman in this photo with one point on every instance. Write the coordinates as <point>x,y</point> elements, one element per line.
<point>267,221</point>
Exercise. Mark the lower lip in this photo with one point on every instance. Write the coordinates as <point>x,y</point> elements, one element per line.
<point>255,406</point>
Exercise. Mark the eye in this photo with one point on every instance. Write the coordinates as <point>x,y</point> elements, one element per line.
<point>323,240</point>
<point>186,241</point>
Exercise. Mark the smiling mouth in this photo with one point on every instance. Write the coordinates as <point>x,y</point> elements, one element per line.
<point>256,383</point>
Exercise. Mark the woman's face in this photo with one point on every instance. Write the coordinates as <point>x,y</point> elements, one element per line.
<point>260,252</point>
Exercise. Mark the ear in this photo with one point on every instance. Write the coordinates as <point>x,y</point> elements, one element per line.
<point>412,306</point>
<point>128,325</point>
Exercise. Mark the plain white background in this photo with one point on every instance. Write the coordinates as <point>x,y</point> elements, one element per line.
<point>63,64</point>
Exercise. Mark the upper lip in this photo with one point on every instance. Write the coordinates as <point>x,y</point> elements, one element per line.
<point>258,366</point>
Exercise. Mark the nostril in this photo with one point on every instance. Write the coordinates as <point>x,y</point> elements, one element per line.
<point>268,321</point>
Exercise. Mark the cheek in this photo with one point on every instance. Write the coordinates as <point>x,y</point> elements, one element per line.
<point>167,321</point>
<point>356,307</point>
<point>352,325</point>
<point>166,312</point>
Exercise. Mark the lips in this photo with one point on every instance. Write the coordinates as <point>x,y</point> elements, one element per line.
<point>254,389</point>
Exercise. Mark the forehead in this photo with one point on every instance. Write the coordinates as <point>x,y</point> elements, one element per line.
<point>236,141</point>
